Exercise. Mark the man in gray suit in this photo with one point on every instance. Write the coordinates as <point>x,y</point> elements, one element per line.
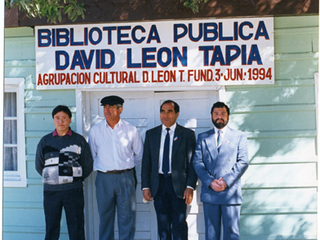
<point>167,173</point>
<point>220,159</point>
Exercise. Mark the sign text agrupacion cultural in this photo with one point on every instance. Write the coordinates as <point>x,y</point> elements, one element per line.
<point>191,53</point>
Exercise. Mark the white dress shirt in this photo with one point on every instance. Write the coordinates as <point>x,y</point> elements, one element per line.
<point>115,149</point>
<point>163,137</point>
<point>222,133</point>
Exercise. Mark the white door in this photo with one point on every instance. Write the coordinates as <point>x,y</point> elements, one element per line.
<point>142,109</point>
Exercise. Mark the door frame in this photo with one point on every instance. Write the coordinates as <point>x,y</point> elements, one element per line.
<point>92,229</point>
<point>79,98</point>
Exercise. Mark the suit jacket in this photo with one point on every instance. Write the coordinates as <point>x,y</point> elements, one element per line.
<point>229,163</point>
<point>183,173</point>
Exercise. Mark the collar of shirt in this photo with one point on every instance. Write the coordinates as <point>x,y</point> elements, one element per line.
<point>116,126</point>
<point>172,128</point>
<point>163,136</point>
<point>222,132</point>
<point>56,134</point>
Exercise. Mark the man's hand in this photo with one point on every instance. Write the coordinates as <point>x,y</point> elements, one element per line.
<point>188,195</point>
<point>218,185</point>
<point>147,194</point>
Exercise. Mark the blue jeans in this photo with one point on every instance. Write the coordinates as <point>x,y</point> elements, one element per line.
<point>73,203</point>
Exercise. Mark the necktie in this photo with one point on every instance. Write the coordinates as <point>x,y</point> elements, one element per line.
<point>165,160</point>
<point>219,140</point>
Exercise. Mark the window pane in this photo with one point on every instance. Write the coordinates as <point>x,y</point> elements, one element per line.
<point>10,131</point>
<point>10,104</point>
<point>10,159</point>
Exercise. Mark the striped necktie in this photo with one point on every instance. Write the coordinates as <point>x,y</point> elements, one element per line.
<point>219,140</point>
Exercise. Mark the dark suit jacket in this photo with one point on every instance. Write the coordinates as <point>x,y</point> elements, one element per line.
<point>229,163</point>
<point>183,173</point>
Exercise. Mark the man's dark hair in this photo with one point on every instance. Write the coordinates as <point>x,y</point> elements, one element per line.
<point>220,105</point>
<point>61,108</point>
<point>176,106</point>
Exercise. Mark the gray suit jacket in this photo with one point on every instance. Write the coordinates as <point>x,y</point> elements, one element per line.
<point>183,173</point>
<point>229,163</point>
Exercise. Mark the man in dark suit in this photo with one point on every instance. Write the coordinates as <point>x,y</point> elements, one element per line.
<point>220,159</point>
<point>167,173</point>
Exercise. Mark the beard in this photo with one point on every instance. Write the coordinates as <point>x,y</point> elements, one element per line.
<point>220,124</point>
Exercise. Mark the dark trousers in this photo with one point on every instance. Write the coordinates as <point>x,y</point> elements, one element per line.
<point>116,192</point>
<point>171,212</point>
<point>73,203</point>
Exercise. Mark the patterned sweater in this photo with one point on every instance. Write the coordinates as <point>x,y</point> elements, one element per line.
<point>63,161</point>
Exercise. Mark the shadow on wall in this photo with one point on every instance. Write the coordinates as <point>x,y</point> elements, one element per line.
<point>280,186</point>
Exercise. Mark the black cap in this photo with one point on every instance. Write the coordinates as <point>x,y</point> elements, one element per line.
<point>111,100</point>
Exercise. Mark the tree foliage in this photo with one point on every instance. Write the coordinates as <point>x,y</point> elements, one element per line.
<point>193,4</point>
<point>50,9</point>
<point>53,9</point>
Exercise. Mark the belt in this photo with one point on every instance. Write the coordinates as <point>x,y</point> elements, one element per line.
<point>117,171</point>
<point>162,175</point>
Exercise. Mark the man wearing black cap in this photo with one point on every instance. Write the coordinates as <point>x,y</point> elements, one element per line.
<point>117,147</point>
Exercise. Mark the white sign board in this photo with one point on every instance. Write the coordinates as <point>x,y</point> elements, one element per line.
<point>184,53</point>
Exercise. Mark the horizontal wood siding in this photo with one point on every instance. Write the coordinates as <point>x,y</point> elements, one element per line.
<point>280,186</point>
<point>23,207</point>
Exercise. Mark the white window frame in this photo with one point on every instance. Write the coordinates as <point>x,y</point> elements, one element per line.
<point>17,178</point>
<point>317,92</point>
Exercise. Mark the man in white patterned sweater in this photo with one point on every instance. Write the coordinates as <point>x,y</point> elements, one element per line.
<point>64,160</point>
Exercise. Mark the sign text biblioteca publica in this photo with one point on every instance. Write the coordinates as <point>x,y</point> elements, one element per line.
<point>169,53</point>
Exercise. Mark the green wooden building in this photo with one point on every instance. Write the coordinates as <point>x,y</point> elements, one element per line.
<point>280,187</point>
